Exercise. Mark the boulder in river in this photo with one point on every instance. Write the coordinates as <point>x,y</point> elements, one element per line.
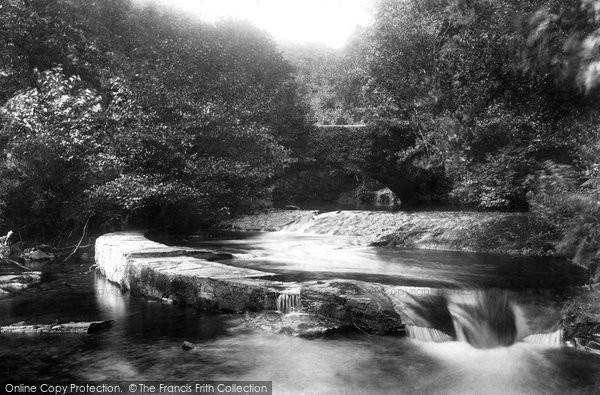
<point>361,305</point>
<point>39,255</point>
<point>188,345</point>
<point>295,324</point>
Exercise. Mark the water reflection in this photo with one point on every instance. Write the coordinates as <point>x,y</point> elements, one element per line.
<point>111,300</point>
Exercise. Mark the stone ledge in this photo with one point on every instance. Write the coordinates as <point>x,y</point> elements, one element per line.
<point>159,271</point>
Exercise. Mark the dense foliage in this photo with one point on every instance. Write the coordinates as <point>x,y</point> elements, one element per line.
<point>466,98</point>
<point>123,113</point>
<point>470,78</point>
<point>569,202</point>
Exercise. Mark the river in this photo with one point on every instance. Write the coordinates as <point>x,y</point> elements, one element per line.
<point>144,343</point>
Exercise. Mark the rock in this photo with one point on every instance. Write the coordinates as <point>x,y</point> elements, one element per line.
<point>15,282</point>
<point>352,303</point>
<point>45,248</point>
<point>385,197</point>
<point>38,255</point>
<point>188,345</point>
<point>296,324</point>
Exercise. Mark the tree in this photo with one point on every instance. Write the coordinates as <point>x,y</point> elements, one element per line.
<point>457,73</point>
<point>52,146</point>
<point>137,113</point>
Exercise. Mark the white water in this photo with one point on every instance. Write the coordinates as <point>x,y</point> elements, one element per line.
<point>426,334</point>
<point>437,336</point>
<point>289,303</point>
<point>482,319</point>
<point>347,223</point>
<point>552,338</point>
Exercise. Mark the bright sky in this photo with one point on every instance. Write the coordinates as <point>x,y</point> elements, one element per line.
<point>329,22</point>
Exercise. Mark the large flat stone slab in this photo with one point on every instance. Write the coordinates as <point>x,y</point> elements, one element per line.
<point>152,269</point>
<point>16,282</point>
<point>156,270</point>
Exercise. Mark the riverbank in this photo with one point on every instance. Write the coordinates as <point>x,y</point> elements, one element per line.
<point>581,318</point>
<point>497,233</point>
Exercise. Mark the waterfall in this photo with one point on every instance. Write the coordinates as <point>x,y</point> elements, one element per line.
<point>289,303</point>
<point>549,339</point>
<point>484,319</point>
<point>426,334</point>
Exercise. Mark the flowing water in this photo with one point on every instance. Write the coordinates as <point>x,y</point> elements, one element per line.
<point>489,327</point>
<point>296,256</point>
<point>289,303</point>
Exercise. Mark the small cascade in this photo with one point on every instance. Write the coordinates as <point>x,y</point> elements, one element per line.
<point>289,303</point>
<point>426,334</point>
<point>548,339</point>
<point>484,319</point>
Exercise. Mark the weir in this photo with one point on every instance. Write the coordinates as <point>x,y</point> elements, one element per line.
<point>276,268</point>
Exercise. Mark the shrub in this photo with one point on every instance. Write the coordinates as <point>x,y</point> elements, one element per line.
<point>572,207</point>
